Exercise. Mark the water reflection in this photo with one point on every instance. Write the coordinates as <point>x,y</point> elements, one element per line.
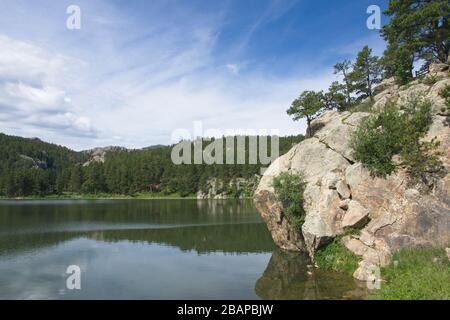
<point>200,225</point>
<point>157,249</point>
<point>288,276</point>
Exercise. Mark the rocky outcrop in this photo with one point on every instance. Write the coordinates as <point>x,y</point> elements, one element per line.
<point>99,154</point>
<point>323,160</point>
<point>356,215</point>
<point>35,162</point>
<point>214,189</point>
<point>439,68</point>
<point>237,188</point>
<point>340,193</point>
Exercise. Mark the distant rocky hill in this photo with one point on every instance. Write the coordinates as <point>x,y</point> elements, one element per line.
<point>156,146</point>
<point>99,154</point>
<point>341,193</point>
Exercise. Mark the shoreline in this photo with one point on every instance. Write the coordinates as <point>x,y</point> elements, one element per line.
<point>143,196</point>
<point>99,197</point>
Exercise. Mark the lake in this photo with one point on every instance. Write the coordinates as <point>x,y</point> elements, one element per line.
<point>152,249</point>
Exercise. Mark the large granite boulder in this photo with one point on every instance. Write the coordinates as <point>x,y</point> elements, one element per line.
<point>323,160</point>
<point>341,193</point>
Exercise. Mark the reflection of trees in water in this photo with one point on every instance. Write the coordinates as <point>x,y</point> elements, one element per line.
<point>232,238</point>
<point>228,238</point>
<point>201,225</point>
<point>188,211</point>
<point>286,277</point>
<point>11,244</point>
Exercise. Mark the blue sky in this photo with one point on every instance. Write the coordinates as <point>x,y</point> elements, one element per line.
<point>138,70</point>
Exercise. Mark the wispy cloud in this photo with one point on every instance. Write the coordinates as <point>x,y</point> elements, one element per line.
<point>271,11</point>
<point>134,74</point>
<point>374,41</point>
<point>32,89</point>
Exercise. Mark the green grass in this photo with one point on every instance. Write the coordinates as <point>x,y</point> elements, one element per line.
<point>335,256</point>
<point>350,231</point>
<point>420,274</point>
<point>159,195</point>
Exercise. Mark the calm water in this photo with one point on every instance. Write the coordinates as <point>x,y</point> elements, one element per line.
<point>152,249</point>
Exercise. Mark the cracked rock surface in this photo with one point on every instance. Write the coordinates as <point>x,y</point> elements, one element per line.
<point>341,193</point>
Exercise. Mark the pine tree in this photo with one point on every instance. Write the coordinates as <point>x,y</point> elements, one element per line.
<point>309,105</point>
<point>76,179</point>
<point>344,68</point>
<point>334,98</point>
<point>366,73</point>
<point>420,27</point>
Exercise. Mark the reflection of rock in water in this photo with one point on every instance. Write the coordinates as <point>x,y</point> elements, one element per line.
<point>286,277</point>
<point>230,206</point>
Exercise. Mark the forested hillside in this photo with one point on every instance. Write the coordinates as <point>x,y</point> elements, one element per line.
<point>33,167</point>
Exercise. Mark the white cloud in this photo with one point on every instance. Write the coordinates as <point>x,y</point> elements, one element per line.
<point>103,85</point>
<point>127,108</point>
<point>41,97</point>
<point>32,89</point>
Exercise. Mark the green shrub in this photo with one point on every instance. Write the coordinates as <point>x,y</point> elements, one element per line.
<point>335,256</point>
<point>365,106</point>
<point>352,231</point>
<point>395,131</point>
<point>445,93</point>
<point>430,79</point>
<point>289,188</point>
<point>422,161</point>
<point>418,274</point>
<point>373,145</point>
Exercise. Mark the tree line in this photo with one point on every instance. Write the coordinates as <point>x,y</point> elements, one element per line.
<point>31,167</point>
<point>418,30</point>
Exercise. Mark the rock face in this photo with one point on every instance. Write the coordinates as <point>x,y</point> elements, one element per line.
<point>215,188</point>
<point>341,193</point>
<point>99,154</point>
<point>35,162</point>
<point>356,215</point>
